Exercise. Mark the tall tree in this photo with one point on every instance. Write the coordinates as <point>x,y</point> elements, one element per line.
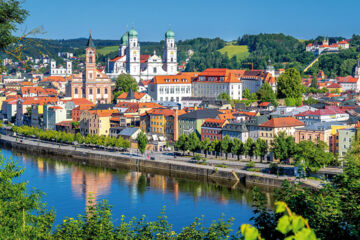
<point>289,84</point>
<point>224,96</point>
<point>238,148</point>
<point>142,141</point>
<point>261,148</point>
<point>249,147</point>
<point>194,142</point>
<point>226,145</point>
<point>182,143</point>
<point>205,144</point>
<point>314,82</point>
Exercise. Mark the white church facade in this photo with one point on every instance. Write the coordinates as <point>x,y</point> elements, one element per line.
<point>143,67</point>
<point>60,71</point>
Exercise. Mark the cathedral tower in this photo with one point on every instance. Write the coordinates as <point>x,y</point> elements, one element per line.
<point>170,53</point>
<point>133,55</point>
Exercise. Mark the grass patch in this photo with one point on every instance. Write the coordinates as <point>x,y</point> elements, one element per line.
<point>240,51</point>
<point>222,165</point>
<point>105,50</point>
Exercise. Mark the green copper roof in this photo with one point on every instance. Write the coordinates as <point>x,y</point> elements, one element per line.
<point>133,33</point>
<point>124,39</point>
<point>90,42</point>
<point>169,34</point>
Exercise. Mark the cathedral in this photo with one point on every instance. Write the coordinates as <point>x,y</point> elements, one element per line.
<point>143,67</point>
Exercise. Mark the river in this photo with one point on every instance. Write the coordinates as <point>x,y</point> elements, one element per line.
<point>132,193</point>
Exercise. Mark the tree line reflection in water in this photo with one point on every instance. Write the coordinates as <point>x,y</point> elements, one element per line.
<point>96,181</point>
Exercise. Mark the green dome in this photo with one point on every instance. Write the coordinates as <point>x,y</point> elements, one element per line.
<point>133,33</point>
<point>124,39</point>
<point>169,34</point>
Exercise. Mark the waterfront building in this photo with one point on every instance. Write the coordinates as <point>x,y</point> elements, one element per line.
<point>212,129</point>
<point>96,122</point>
<point>236,130</point>
<point>92,83</point>
<point>253,125</point>
<point>163,122</point>
<point>271,128</point>
<point>143,67</point>
<point>191,122</point>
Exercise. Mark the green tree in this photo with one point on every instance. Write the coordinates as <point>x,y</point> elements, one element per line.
<point>238,148</point>
<point>205,144</point>
<point>142,141</point>
<point>283,146</point>
<point>314,82</point>
<point>261,148</point>
<point>347,67</point>
<point>182,143</point>
<point>226,145</point>
<point>266,94</point>
<point>12,15</point>
<point>224,96</point>
<point>124,83</point>
<point>194,142</point>
<point>249,147</point>
<point>313,156</point>
<point>289,84</point>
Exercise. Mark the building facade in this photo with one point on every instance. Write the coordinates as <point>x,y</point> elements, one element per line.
<point>92,83</point>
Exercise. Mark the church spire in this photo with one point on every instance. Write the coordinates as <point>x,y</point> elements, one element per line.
<point>90,42</point>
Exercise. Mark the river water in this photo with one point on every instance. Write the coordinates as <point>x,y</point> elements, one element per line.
<point>131,193</point>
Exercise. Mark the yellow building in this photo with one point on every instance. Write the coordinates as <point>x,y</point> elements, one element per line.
<point>271,128</point>
<point>96,122</point>
<point>163,122</point>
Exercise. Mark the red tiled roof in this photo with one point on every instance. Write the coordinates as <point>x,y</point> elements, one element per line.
<point>144,58</point>
<point>347,79</point>
<point>282,122</point>
<point>212,121</point>
<point>343,42</point>
<point>115,59</point>
<point>334,85</point>
<point>173,79</point>
<point>54,79</point>
<point>162,111</point>
<point>55,107</point>
<point>329,110</point>
<point>264,104</point>
<point>137,95</point>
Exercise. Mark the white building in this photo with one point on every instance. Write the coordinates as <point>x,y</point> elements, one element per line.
<point>171,87</point>
<point>143,67</point>
<point>60,71</point>
<point>214,81</point>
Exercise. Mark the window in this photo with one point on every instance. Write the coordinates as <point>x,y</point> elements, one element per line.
<point>154,70</point>
<point>106,91</point>
<point>76,91</point>
<point>90,59</point>
<point>90,91</point>
<point>98,91</point>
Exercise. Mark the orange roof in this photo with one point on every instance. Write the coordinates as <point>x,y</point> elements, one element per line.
<point>38,100</point>
<point>137,95</point>
<point>282,122</point>
<point>84,107</point>
<point>334,85</point>
<point>117,58</point>
<point>220,75</point>
<point>81,101</point>
<point>27,83</point>
<point>104,113</point>
<point>225,116</point>
<point>264,104</point>
<point>162,111</point>
<point>343,42</point>
<point>54,79</point>
<point>218,122</point>
<point>150,105</point>
<point>347,79</point>
<point>173,79</point>
<point>55,107</point>
<point>250,114</point>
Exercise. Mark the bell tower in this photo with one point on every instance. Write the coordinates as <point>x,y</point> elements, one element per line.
<point>90,60</point>
<point>170,53</point>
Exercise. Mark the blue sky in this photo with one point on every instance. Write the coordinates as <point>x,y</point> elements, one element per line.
<point>227,19</point>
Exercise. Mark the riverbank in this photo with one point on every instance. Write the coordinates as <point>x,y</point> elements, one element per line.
<point>102,158</point>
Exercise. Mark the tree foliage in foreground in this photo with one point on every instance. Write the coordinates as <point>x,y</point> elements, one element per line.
<point>333,211</point>
<point>24,216</point>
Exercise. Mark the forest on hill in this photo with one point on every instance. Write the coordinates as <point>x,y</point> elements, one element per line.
<point>248,51</point>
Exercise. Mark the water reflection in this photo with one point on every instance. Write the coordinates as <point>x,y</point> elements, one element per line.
<point>134,193</point>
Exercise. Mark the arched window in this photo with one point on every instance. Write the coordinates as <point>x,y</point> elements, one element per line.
<point>90,59</point>
<point>106,91</point>
<point>154,70</point>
